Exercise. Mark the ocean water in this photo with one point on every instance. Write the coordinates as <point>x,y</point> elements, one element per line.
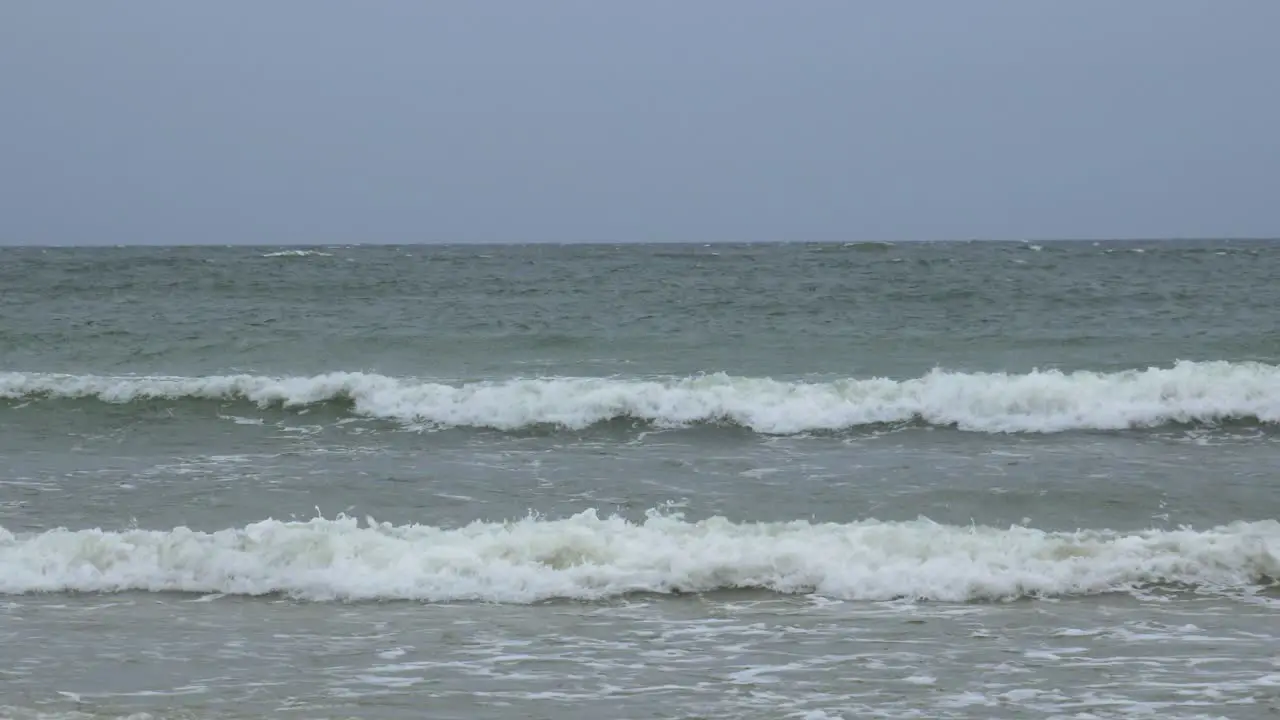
<point>924,480</point>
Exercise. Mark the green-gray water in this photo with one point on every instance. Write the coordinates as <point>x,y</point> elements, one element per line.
<point>679,481</point>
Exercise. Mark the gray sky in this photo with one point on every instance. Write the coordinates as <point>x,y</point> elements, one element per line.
<point>676,120</point>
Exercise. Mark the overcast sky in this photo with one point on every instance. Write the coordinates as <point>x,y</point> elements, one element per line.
<point>675,120</point>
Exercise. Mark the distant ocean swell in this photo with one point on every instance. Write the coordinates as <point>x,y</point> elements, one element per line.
<point>587,557</point>
<point>1036,402</point>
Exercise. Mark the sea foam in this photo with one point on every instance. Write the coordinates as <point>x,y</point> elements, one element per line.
<point>591,557</point>
<point>297,253</point>
<point>1040,401</point>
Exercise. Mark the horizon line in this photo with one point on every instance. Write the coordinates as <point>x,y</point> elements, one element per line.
<point>615,243</point>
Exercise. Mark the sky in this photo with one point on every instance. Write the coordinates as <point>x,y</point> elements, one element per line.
<point>323,121</point>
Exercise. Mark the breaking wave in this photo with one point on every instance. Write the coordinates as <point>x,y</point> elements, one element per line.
<point>1037,402</point>
<point>297,253</point>
<point>587,557</point>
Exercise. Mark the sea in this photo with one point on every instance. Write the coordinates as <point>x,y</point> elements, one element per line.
<point>614,482</point>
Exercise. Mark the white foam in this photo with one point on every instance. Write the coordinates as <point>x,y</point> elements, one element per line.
<point>297,253</point>
<point>589,557</point>
<point>1042,401</point>
<point>10,712</point>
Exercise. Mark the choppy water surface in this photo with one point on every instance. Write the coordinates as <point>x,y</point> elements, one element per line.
<point>870,480</point>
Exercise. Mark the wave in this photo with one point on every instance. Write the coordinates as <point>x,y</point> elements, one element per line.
<point>586,557</point>
<point>297,253</point>
<point>1036,402</point>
